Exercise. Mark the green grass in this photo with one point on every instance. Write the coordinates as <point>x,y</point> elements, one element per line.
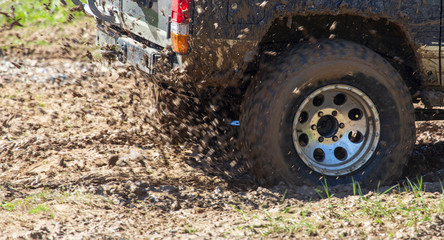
<point>35,13</point>
<point>32,204</point>
<point>282,224</point>
<point>190,230</point>
<point>325,190</point>
<point>407,207</point>
<point>39,209</point>
<point>42,202</point>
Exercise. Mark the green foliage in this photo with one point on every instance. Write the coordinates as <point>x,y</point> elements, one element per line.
<point>40,13</point>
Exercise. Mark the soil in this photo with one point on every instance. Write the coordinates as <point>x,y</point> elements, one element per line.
<point>84,154</point>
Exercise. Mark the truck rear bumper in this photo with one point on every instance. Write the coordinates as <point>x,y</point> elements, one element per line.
<point>128,50</point>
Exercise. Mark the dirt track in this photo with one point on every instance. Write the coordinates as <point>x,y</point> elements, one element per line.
<point>82,156</point>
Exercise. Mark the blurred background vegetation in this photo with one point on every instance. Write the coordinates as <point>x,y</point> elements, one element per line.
<point>44,26</point>
<point>38,13</point>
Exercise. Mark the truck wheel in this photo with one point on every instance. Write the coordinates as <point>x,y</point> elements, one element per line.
<point>334,111</point>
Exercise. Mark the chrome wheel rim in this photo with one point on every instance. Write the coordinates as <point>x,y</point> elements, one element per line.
<point>336,130</point>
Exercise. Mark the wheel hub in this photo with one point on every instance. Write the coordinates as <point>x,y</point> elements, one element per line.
<point>327,126</point>
<point>336,130</point>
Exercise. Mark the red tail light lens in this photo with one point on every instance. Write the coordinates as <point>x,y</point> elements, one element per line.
<point>180,11</point>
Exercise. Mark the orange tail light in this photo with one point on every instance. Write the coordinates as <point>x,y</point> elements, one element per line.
<point>180,43</point>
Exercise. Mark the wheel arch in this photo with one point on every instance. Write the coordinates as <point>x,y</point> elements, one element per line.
<point>387,38</point>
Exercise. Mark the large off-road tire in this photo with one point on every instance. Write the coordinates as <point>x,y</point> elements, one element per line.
<point>334,110</point>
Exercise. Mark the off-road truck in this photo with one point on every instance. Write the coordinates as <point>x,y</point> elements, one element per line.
<point>334,85</point>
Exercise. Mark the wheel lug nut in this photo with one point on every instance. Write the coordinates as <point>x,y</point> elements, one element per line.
<point>334,113</point>
<point>314,127</point>
<point>321,139</point>
<point>335,138</point>
<point>342,125</point>
<point>320,114</point>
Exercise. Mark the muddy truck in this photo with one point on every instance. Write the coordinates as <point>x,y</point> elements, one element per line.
<point>332,88</point>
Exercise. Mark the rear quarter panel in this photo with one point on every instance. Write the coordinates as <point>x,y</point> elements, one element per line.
<point>227,35</point>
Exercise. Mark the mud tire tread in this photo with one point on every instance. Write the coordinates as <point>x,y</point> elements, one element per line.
<point>270,168</point>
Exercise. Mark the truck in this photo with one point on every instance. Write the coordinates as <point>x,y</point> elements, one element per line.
<point>333,87</point>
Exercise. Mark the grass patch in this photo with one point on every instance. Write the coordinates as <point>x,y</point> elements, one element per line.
<point>31,204</point>
<point>42,202</point>
<point>281,224</point>
<point>39,209</point>
<point>190,230</point>
<point>395,207</point>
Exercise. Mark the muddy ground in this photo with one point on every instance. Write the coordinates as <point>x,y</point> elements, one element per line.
<point>83,155</point>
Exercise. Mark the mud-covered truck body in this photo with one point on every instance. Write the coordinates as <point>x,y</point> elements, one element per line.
<point>331,84</point>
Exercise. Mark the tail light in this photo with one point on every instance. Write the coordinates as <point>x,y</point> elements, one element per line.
<point>180,19</point>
